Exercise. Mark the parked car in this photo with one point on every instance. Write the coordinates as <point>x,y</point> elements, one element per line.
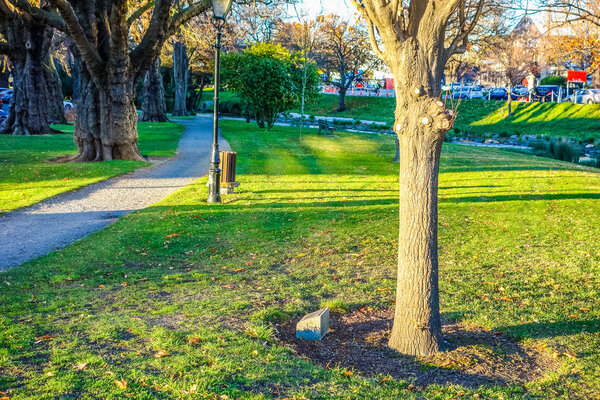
<point>450,87</point>
<point>467,93</point>
<point>585,96</point>
<point>547,92</point>
<point>6,95</point>
<point>498,94</point>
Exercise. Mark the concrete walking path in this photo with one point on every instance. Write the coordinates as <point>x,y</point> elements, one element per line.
<point>54,223</point>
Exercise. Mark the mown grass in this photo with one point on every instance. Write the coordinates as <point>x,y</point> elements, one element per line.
<point>27,176</point>
<point>313,223</point>
<point>478,117</point>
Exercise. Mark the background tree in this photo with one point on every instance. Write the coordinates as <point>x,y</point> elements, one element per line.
<point>37,101</point>
<point>345,49</point>
<point>416,38</point>
<point>181,64</point>
<point>154,108</point>
<point>106,123</point>
<point>267,78</point>
<point>259,22</point>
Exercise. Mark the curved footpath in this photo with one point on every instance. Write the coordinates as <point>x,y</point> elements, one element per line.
<point>54,223</point>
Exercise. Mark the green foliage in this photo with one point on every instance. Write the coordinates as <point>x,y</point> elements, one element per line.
<point>554,80</point>
<point>269,80</point>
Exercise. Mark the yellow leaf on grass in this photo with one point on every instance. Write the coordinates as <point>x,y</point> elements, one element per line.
<point>121,384</point>
<point>348,373</point>
<point>161,354</point>
<point>301,255</point>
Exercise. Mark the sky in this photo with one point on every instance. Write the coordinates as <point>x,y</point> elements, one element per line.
<point>321,7</point>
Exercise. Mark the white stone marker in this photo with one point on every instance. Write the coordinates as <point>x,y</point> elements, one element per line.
<point>314,325</point>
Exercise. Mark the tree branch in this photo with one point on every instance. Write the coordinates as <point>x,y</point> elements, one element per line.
<point>139,12</point>
<point>373,39</point>
<point>463,36</point>
<point>48,17</point>
<point>89,53</point>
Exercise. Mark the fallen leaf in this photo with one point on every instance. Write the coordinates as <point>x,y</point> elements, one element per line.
<point>348,373</point>
<point>121,384</point>
<point>238,270</point>
<point>301,255</point>
<point>81,366</point>
<point>44,337</point>
<point>172,235</point>
<point>161,354</point>
<point>193,341</point>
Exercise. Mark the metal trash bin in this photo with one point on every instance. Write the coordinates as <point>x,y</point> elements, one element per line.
<point>228,171</point>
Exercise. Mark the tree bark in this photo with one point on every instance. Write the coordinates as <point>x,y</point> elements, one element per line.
<point>421,122</point>
<point>343,88</point>
<point>106,117</point>
<point>181,64</point>
<point>509,100</point>
<point>342,100</point>
<point>154,108</point>
<point>37,101</point>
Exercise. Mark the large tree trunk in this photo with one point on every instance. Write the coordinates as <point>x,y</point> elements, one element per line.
<point>37,99</point>
<point>154,108</point>
<point>106,117</point>
<point>180,74</point>
<point>421,124</point>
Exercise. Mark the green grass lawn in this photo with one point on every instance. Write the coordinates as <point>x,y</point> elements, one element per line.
<point>27,176</point>
<point>483,117</point>
<point>176,300</point>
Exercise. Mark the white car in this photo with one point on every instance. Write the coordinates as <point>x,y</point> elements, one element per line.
<point>450,87</point>
<point>468,93</point>
<point>585,96</point>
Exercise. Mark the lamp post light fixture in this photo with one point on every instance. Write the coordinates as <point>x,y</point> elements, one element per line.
<point>220,10</point>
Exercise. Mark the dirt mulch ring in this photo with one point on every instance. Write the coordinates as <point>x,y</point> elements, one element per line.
<point>476,357</point>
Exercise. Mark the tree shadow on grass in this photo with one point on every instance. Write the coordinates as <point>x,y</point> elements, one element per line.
<point>519,197</point>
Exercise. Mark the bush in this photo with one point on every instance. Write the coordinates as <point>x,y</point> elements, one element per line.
<point>269,80</point>
<point>564,150</point>
<point>554,80</point>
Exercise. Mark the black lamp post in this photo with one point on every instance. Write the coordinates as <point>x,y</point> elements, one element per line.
<point>220,10</point>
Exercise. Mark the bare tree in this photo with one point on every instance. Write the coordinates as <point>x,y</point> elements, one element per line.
<point>345,49</point>
<point>416,38</point>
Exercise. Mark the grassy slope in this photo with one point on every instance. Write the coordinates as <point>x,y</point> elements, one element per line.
<point>484,117</point>
<point>519,253</point>
<point>28,177</point>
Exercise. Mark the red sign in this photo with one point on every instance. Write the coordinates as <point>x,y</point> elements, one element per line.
<point>577,76</point>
